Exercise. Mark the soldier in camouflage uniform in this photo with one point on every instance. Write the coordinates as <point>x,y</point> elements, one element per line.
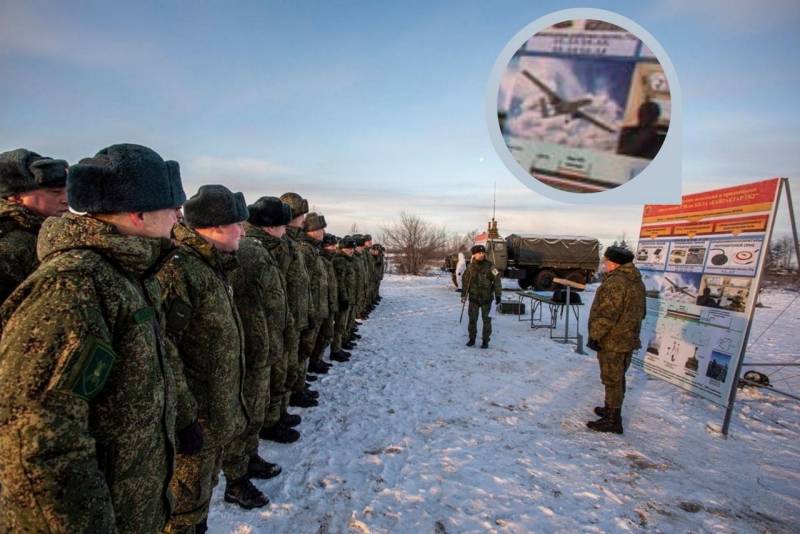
<point>266,227</point>
<point>343,265</point>
<point>325,338</point>
<point>360,284</point>
<point>87,396</point>
<point>31,189</point>
<point>314,227</point>
<point>615,320</point>
<point>206,345</point>
<point>369,264</point>
<point>378,261</point>
<point>481,282</point>
<point>298,282</point>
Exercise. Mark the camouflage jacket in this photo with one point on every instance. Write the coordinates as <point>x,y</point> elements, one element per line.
<point>206,338</point>
<point>481,281</point>
<point>298,283</point>
<point>366,258</point>
<point>618,309</point>
<point>359,279</point>
<point>266,274</point>
<point>319,277</point>
<point>87,397</point>
<point>344,268</point>
<point>333,283</point>
<point>379,267</point>
<point>18,230</point>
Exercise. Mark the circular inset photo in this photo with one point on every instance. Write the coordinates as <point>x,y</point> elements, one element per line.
<point>584,106</point>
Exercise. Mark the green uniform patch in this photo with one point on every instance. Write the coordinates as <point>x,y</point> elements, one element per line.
<point>87,374</point>
<point>144,315</point>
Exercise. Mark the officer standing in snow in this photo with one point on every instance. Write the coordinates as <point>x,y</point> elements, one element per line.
<point>481,281</point>
<point>614,324</point>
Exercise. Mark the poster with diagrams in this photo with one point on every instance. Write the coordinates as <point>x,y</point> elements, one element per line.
<point>700,263</point>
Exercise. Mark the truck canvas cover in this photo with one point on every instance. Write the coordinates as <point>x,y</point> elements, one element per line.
<point>566,251</point>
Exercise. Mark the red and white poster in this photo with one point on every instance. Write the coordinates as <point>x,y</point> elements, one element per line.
<point>701,262</point>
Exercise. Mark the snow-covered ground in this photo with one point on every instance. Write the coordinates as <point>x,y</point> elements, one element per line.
<point>418,433</point>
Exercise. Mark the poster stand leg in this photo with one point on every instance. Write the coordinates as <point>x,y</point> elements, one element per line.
<point>735,384</point>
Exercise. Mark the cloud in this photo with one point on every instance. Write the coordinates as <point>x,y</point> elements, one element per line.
<point>52,34</point>
<point>745,16</point>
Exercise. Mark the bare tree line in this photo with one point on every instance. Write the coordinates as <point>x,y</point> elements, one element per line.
<point>415,244</point>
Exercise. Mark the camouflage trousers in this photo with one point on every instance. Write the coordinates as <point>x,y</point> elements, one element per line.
<point>192,484</point>
<point>308,339</point>
<point>278,400</point>
<point>613,366</point>
<point>242,447</point>
<point>340,329</point>
<point>351,321</point>
<point>324,338</point>
<point>292,349</point>
<point>484,310</point>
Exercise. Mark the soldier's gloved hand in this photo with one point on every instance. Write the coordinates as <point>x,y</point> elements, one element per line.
<point>593,344</point>
<point>497,301</point>
<point>190,439</point>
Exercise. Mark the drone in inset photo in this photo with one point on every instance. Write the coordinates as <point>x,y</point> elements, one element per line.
<point>561,106</point>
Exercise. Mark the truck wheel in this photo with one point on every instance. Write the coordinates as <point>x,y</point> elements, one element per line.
<point>544,280</point>
<point>576,276</point>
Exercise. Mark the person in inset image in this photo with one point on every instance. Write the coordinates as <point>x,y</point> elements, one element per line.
<point>643,140</point>
<point>707,299</point>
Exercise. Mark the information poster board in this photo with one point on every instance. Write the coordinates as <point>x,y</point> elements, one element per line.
<point>701,262</point>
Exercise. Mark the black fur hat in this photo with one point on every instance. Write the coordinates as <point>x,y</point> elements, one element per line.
<point>347,241</point>
<point>123,178</point>
<point>619,255</point>
<point>22,170</point>
<point>270,211</point>
<point>215,205</point>
<point>477,248</point>
<point>329,239</point>
<point>314,221</point>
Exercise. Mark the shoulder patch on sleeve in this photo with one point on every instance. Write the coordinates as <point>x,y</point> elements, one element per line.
<point>495,272</point>
<point>86,375</point>
<point>179,314</point>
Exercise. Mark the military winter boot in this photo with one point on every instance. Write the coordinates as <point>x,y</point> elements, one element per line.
<point>301,400</point>
<point>311,378</point>
<point>201,527</point>
<point>242,492</point>
<point>279,433</point>
<point>257,467</point>
<point>340,356</point>
<point>311,393</point>
<point>348,345</point>
<point>485,344</point>
<point>290,420</point>
<point>601,411</point>
<point>471,343</point>
<point>611,422</point>
<point>317,367</point>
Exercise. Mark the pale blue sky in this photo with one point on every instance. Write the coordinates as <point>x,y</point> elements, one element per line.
<point>368,108</point>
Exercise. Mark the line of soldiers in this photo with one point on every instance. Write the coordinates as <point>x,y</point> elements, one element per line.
<point>143,349</point>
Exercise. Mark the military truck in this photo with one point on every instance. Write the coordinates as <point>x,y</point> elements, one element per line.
<point>534,260</point>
